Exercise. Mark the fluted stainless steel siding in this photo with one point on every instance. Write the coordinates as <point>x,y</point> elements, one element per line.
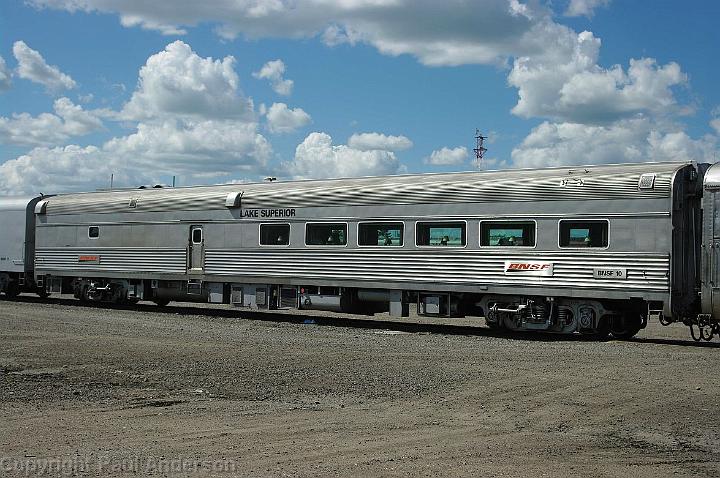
<point>598,182</point>
<point>17,236</point>
<point>572,269</point>
<point>116,259</point>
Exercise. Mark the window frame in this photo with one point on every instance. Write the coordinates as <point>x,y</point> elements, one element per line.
<point>559,234</point>
<point>441,221</point>
<point>260,225</point>
<point>347,234</point>
<point>512,221</point>
<point>94,238</point>
<point>202,236</point>
<point>381,222</point>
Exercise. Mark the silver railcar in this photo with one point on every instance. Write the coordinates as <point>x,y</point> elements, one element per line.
<point>17,245</point>
<point>596,249</point>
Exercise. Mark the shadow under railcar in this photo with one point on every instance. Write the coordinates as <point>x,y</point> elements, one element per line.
<point>354,322</point>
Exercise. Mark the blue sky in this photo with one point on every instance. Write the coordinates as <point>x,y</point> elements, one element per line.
<point>148,90</point>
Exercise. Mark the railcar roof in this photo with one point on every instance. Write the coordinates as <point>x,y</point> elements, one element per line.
<point>617,181</point>
<point>15,203</point>
<point>712,177</point>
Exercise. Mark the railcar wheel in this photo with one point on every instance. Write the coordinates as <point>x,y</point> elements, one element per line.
<point>625,326</point>
<point>84,296</point>
<point>603,328</point>
<point>161,302</point>
<point>12,290</point>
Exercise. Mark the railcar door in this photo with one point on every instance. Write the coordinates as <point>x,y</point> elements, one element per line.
<point>195,249</point>
<point>714,241</point>
<point>715,275</point>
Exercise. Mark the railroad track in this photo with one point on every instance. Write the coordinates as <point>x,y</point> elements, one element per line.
<point>351,322</point>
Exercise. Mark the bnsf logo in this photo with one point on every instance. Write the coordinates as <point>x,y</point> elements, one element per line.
<point>524,266</point>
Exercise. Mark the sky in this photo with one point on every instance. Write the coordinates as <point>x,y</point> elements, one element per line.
<point>225,91</point>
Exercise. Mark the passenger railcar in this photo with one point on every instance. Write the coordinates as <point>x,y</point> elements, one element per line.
<point>17,245</point>
<point>596,249</point>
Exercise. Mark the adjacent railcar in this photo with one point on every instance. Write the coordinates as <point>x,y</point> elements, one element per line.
<point>596,249</point>
<point>17,245</point>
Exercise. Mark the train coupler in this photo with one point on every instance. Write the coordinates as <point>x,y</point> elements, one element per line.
<point>703,327</point>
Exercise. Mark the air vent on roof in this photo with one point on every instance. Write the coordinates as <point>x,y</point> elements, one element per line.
<point>41,207</point>
<point>646,181</point>
<point>233,199</point>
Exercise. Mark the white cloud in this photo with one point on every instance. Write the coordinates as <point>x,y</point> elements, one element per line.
<point>633,140</point>
<point>715,124</point>
<point>207,148</point>
<point>678,146</point>
<point>317,157</point>
<point>51,170</point>
<point>579,8</point>
<point>146,24</point>
<point>555,69</point>
<point>371,141</point>
<point>49,129</point>
<point>574,88</point>
<point>437,33</point>
<point>190,120</point>
<point>178,82</point>
<point>273,71</point>
<point>5,81</point>
<point>32,66</point>
<point>207,151</point>
<point>600,115</point>
<point>281,119</point>
<point>448,156</point>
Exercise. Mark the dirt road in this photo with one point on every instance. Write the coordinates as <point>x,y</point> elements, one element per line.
<point>90,391</point>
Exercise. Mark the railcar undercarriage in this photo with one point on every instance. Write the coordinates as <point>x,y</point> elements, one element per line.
<point>598,318</point>
<point>622,319</point>
<point>13,284</point>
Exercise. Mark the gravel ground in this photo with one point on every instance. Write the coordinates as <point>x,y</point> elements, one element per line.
<point>200,391</point>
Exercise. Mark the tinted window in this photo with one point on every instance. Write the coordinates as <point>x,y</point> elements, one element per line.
<point>583,234</point>
<point>274,234</point>
<point>93,232</point>
<point>380,234</point>
<point>451,234</point>
<point>507,234</point>
<point>326,234</point>
<point>197,237</point>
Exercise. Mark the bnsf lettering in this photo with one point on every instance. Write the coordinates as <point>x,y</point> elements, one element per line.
<point>521,266</point>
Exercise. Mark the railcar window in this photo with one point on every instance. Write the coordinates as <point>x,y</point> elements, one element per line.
<point>510,234</point>
<point>274,234</point>
<point>380,234</point>
<point>197,236</point>
<point>93,232</point>
<point>584,233</point>
<point>326,234</point>
<point>450,234</point>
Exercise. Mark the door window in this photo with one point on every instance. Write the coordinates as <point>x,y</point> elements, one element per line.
<point>197,236</point>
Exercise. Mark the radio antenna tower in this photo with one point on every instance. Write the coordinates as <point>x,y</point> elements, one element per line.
<point>480,149</point>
